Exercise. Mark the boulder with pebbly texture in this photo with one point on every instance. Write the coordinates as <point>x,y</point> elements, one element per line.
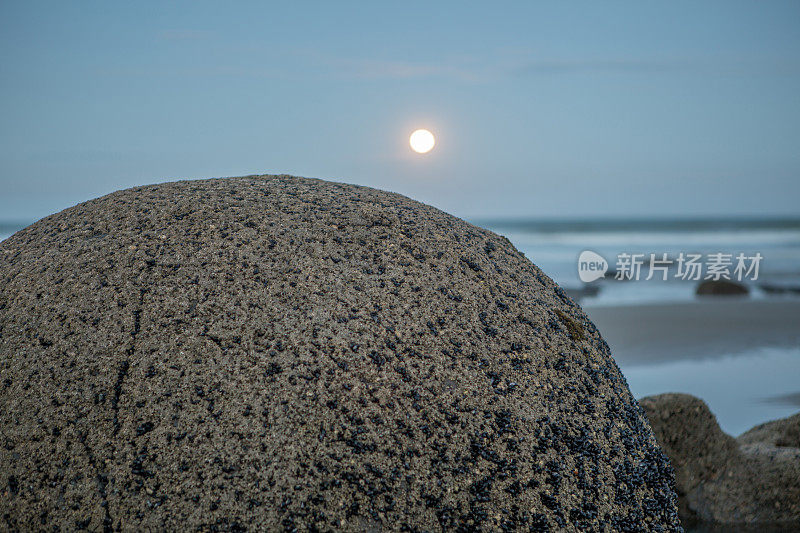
<point>272,352</point>
<point>752,480</point>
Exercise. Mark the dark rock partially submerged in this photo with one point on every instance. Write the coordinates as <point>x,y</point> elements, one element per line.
<point>754,479</point>
<point>286,353</point>
<point>721,287</point>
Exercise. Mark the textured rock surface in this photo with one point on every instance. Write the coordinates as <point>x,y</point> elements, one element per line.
<point>277,352</point>
<point>754,479</point>
<point>783,433</point>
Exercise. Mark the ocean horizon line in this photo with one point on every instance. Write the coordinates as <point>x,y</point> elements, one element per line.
<point>647,224</point>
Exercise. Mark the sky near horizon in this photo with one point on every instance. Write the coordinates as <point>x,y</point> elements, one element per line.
<point>539,109</point>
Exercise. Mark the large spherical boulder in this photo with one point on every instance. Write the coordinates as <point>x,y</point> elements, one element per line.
<point>286,353</point>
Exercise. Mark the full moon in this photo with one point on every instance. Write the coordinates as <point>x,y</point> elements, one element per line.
<point>422,141</point>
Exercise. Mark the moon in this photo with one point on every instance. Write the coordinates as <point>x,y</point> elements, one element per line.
<point>422,141</point>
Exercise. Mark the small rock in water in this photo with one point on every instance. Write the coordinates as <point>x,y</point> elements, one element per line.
<point>721,287</point>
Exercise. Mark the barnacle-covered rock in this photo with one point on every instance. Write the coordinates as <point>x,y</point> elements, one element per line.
<point>752,480</point>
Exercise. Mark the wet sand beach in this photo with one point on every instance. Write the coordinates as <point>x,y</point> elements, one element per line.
<point>741,356</point>
<point>648,334</point>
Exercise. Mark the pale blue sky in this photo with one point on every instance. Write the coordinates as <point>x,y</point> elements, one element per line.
<point>560,109</point>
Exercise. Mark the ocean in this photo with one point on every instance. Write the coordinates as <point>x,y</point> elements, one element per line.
<point>8,228</point>
<point>554,246</point>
